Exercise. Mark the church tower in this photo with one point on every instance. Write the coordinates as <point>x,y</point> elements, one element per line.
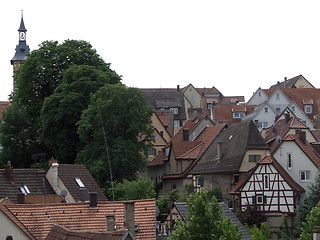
<point>22,49</point>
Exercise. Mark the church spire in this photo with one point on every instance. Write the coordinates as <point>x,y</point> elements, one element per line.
<point>22,49</point>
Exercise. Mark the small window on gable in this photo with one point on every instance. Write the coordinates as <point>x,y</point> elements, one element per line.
<point>209,105</point>
<point>293,108</point>
<point>266,181</point>
<point>259,94</point>
<point>176,123</point>
<point>254,158</point>
<point>79,182</point>
<point>289,161</point>
<point>278,110</point>
<point>277,96</point>
<point>266,109</point>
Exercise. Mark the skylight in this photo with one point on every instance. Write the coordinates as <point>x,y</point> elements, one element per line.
<point>24,189</point>
<point>80,183</point>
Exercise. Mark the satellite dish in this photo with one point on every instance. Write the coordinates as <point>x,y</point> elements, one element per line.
<point>63,193</point>
<point>82,197</point>
<point>278,139</point>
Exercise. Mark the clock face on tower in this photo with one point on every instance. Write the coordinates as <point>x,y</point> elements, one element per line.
<point>23,36</point>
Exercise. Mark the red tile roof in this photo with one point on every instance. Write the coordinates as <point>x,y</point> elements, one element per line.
<point>224,113</point>
<point>38,219</point>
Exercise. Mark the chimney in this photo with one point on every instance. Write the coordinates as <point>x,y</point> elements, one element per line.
<point>178,88</point>
<point>287,117</point>
<point>55,178</point>
<point>9,172</point>
<point>285,82</point>
<point>93,200</point>
<point>111,223</point>
<point>52,161</point>
<point>302,136</point>
<point>195,114</point>
<point>20,198</point>
<point>129,216</point>
<point>219,150</point>
<point>185,134</point>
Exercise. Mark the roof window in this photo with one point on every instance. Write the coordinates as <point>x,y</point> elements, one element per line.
<point>24,189</point>
<point>79,182</point>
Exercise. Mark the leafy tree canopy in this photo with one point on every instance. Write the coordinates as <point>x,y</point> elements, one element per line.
<point>205,221</point>
<point>62,110</point>
<point>35,80</point>
<point>141,188</point>
<point>312,220</point>
<point>116,127</point>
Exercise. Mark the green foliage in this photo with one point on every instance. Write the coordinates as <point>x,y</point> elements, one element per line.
<point>205,221</point>
<point>284,233</point>
<point>217,193</point>
<point>165,202</point>
<point>188,189</point>
<point>308,203</point>
<point>260,234</point>
<point>141,188</point>
<point>35,80</point>
<point>312,220</point>
<point>116,126</point>
<point>62,110</point>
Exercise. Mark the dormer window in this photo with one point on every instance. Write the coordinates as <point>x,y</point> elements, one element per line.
<point>79,182</point>
<point>175,110</point>
<point>308,109</point>
<point>238,115</point>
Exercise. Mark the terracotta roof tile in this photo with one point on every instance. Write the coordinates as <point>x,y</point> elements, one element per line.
<point>224,113</point>
<point>40,218</point>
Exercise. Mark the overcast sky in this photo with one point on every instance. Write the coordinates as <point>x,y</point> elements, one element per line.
<point>236,46</point>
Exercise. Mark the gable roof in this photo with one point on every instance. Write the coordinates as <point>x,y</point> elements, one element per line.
<point>200,146</point>
<point>236,140</point>
<point>281,128</point>
<point>268,159</point>
<point>34,179</point>
<point>289,83</point>
<point>40,218</point>
<point>224,113</point>
<point>59,232</point>
<point>226,212</point>
<point>163,98</point>
<point>68,172</point>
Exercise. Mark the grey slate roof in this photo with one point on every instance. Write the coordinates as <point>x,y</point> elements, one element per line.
<point>34,179</point>
<point>22,49</point>
<point>289,83</point>
<point>183,210</point>
<point>235,139</point>
<point>165,99</point>
<point>68,172</point>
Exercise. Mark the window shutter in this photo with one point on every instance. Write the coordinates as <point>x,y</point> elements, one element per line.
<point>154,152</point>
<point>253,199</point>
<point>264,199</point>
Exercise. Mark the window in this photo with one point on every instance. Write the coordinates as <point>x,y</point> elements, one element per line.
<point>177,167</point>
<point>265,124</point>
<point>308,109</point>
<point>259,199</point>
<point>156,136</point>
<point>259,94</point>
<point>235,178</point>
<point>152,152</point>
<point>24,189</point>
<point>79,182</point>
<point>278,110</point>
<point>266,181</point>
<point>254,158</point>
<point>289,161</point>
<point>200,182</point>
<point>305,175</point>
<point>176,123</point>
<point>266,109</point>
<point>175,110</point>
<point>238,115</point>
<point>209,105</point>
<point>192,99</point>
<point>293,108</point>
<point>278,96</point>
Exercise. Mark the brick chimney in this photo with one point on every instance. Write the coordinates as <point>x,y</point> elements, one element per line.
<point>185,134</point>
<point>178,88</point>
<point>302,136</point>
<point>129,217</point>
<point>9,172</point>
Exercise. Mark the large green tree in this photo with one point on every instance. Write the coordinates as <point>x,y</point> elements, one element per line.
<point>62,110</point>
<point>205,221</point>
<point>35,80</point>
<point>116,127</point>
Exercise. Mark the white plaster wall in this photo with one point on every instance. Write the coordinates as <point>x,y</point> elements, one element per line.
<point>9,228</point>
<point>282,102</point>
<point>299,162</point>
<point>256,99</point>
<point>263,116</point>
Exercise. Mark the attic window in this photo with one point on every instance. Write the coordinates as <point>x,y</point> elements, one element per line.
<point>79,182</point>
<point>230,137</point>
<point>24,189</point>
